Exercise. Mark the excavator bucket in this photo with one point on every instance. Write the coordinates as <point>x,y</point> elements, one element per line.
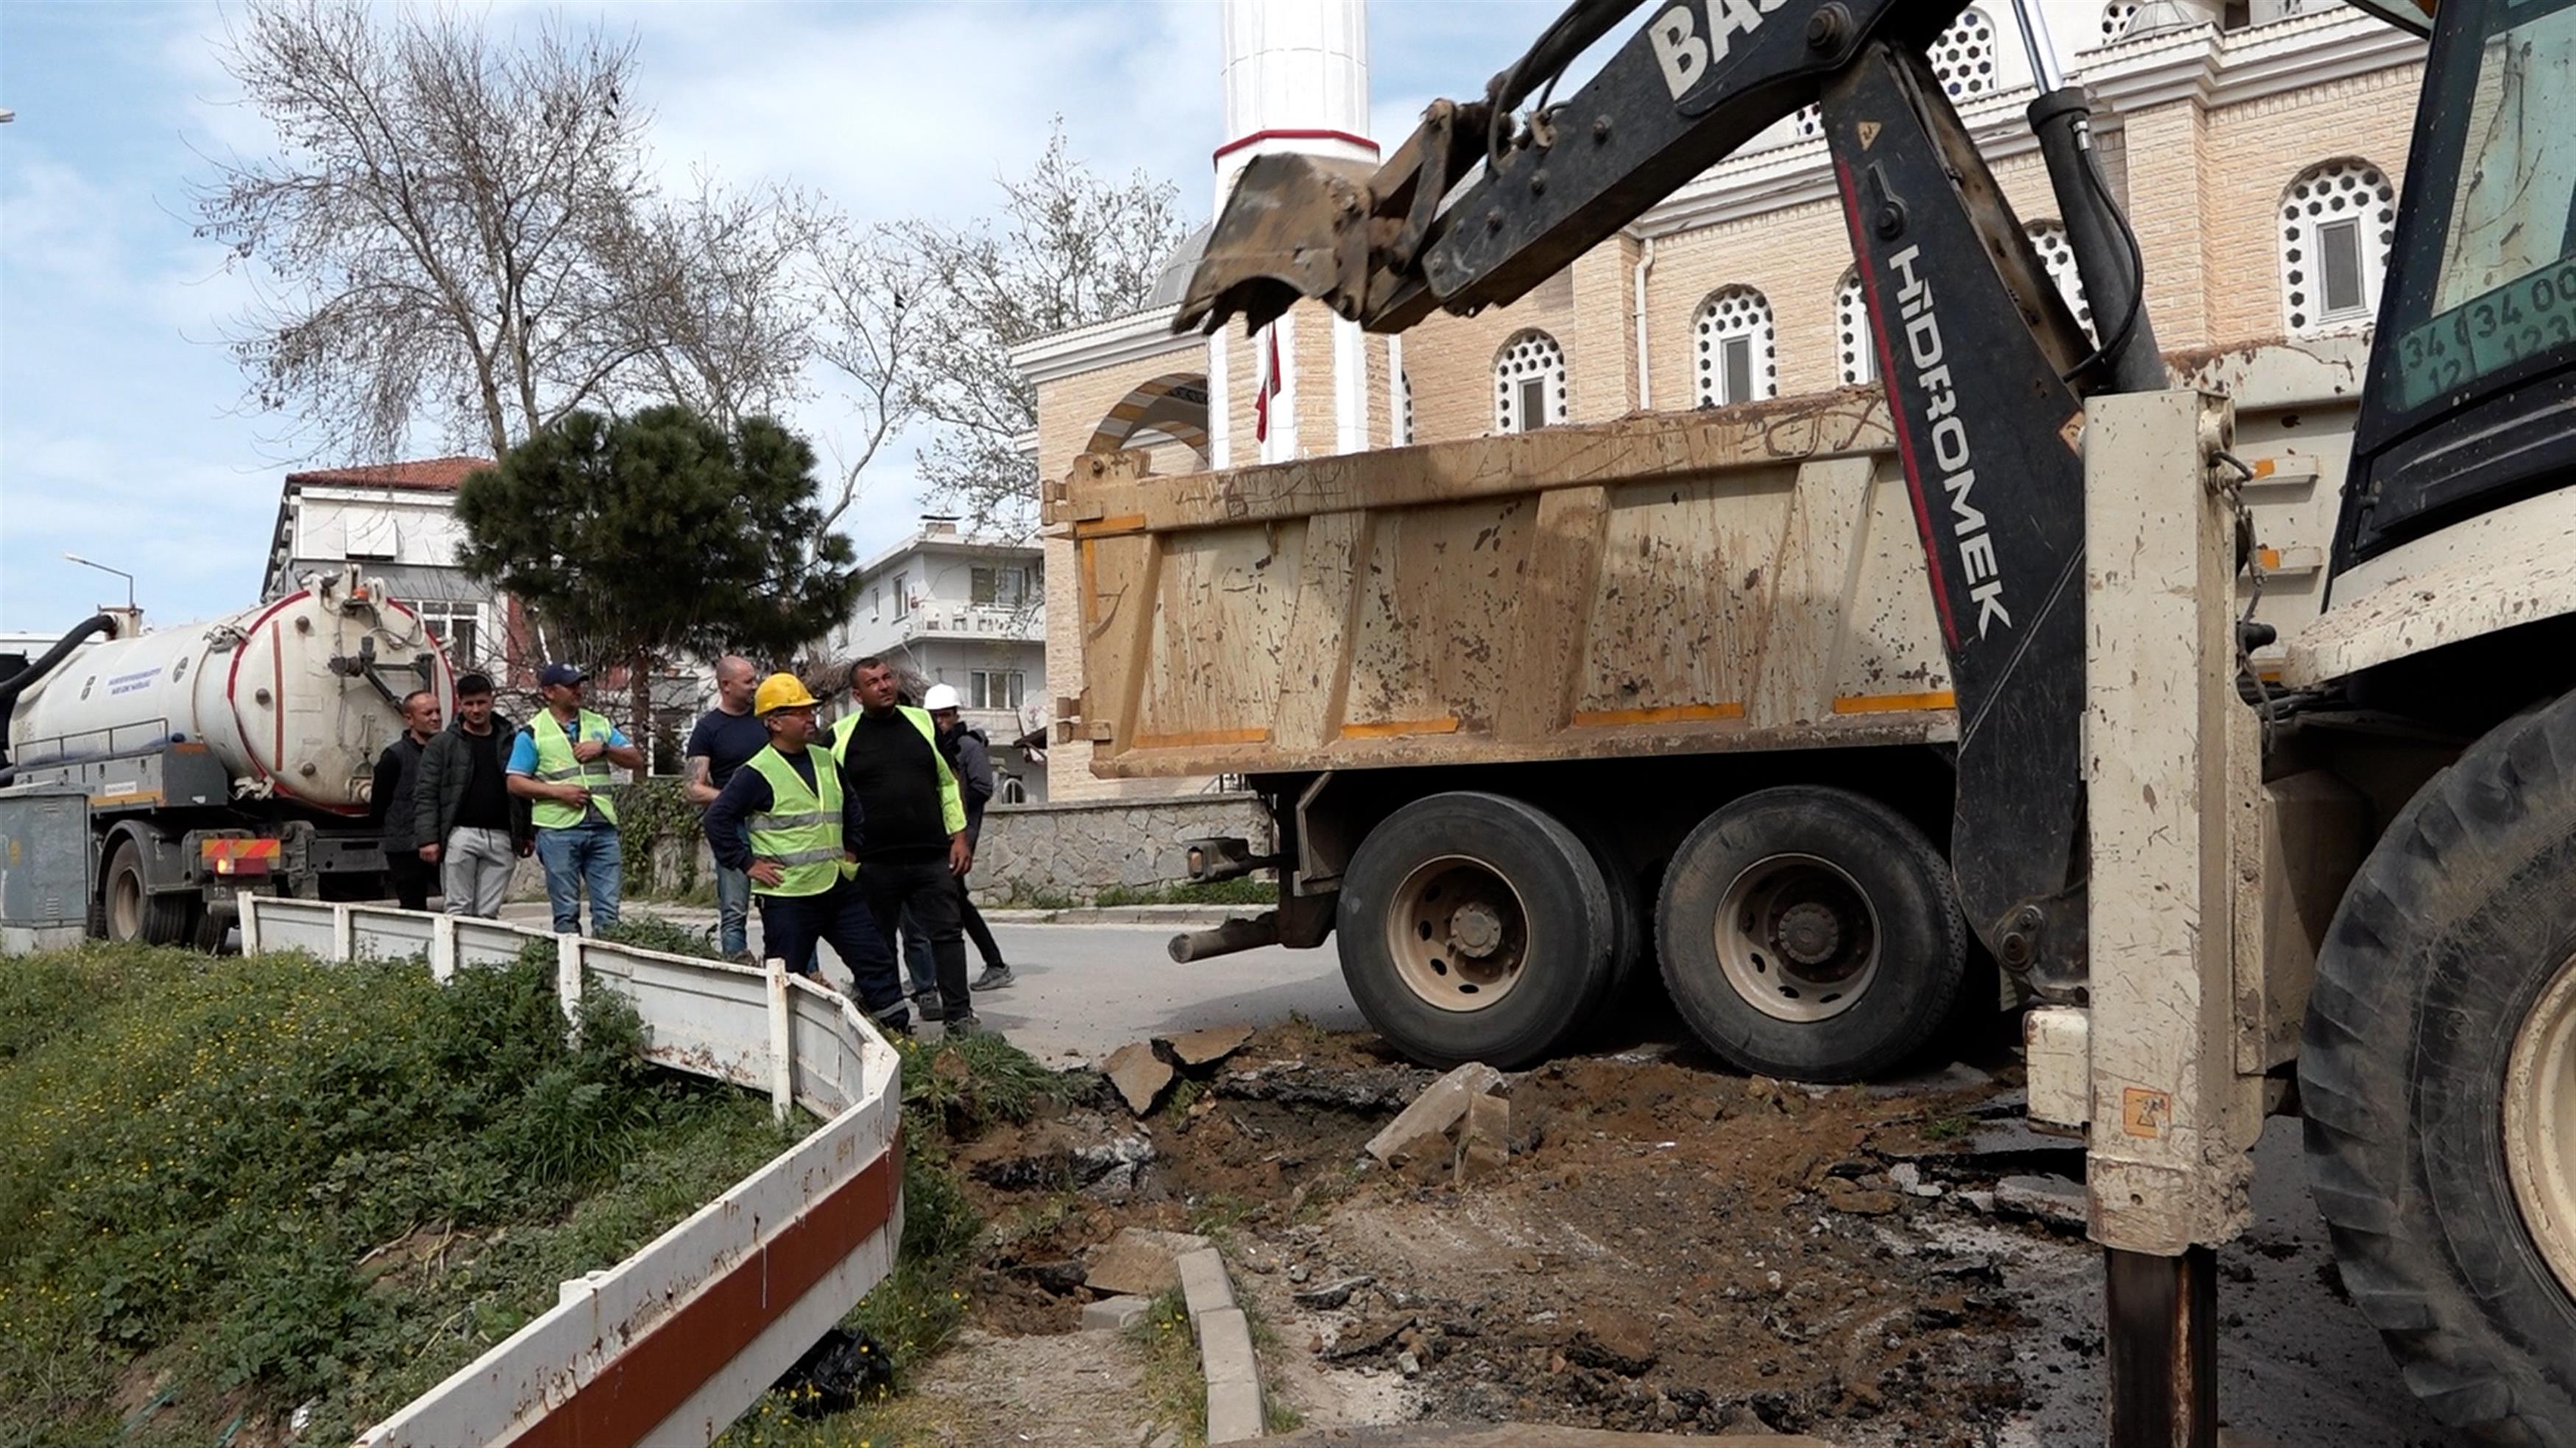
<point>1294,227</point>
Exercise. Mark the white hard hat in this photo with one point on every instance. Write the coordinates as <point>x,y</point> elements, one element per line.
<point>941,696</point>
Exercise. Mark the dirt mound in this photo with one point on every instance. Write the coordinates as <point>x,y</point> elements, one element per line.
<point>1670,1246</point>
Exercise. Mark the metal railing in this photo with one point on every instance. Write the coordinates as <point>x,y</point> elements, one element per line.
<point>674,1343</point>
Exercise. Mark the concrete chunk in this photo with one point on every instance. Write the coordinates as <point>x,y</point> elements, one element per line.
<point>1115,1314</point>
<point>1485,1141</point>
<point>1204,1285</point>
<point>2054,1200</point>
<point>1139,1075</point>
<point>1441,1106</point>
<point>1200,1048</point>
<point>1141,1261</point>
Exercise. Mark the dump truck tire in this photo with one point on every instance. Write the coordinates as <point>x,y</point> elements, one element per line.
<point>1810,933</point>
<point>2438,1080</point>
<point>1475,928</point>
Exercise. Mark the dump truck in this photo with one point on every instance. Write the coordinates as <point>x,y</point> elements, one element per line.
<point>226,756</point>
<point>1696,640</point>
<point>2348,890</point>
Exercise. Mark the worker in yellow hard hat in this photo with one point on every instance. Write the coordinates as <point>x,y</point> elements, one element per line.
<point>784,820</point>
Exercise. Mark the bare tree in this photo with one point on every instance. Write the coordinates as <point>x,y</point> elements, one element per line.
<point>1072,248</point>
<point>431,228</point>
<point>719,311</point>
<point>863,286</point>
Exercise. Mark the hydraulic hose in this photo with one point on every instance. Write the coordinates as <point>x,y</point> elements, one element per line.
<point>25,678</point>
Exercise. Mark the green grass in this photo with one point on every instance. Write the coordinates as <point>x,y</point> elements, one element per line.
<point>266,1182</point>
<point>1246,891</point>
<point>1175,1388</point>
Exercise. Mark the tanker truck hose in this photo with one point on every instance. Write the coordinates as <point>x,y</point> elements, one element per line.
<point>25,678</point>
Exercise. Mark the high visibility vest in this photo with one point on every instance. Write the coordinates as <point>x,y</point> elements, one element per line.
<point>555,765</point>
<point>801,829</point>
<point>952,804</point>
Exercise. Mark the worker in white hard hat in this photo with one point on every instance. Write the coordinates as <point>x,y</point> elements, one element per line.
<point>784,820</point>
<point>970,759</point>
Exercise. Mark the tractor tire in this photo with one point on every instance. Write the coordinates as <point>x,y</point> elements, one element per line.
<point>1475,928</point>
<point>2438,1077</point>
<point>1811,933</point>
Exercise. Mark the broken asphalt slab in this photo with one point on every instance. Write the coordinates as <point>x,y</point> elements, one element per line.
<point>1207,1047</point>
<point>1138,1074</point>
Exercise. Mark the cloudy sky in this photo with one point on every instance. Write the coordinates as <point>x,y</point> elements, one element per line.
<point>119,434</point>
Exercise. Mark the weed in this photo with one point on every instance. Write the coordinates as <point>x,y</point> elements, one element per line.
<point>651,932</point>
<point>292,1183</point>
<point>1038,897</point>
<point>1175,1388</point>
<point>1948,1128</point>
<point>957,1088</point>
<point>1247,891</point>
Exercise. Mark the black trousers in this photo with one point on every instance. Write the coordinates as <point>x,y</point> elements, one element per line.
<point>791,924</point>
<point>931,892</point>
<point>976,930</point>
<point>411,878</point>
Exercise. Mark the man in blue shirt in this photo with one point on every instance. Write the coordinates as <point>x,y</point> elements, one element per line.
<point>560,763</point>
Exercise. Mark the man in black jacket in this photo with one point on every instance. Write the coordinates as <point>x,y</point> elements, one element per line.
<point>389,801</point>
<point>970,758</point>
<point>468,825</point>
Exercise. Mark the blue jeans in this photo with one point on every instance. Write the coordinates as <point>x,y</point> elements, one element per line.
<point>583,855</point>
<point>733,910</point>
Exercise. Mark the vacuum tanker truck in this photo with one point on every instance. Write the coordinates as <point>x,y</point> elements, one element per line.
<point>226,756</point>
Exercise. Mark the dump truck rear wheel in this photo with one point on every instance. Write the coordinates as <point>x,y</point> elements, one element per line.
<point>1475,928</point>
<point>2438,1078</point>
<point>1810,933</point>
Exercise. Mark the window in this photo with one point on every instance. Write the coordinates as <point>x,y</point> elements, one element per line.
<point>994,689</point>
<point>1002,586</point>
<point>1529,383</point>
<point>2337,220</point>
<point>458,629</point>
<point>1736,357</point>
<point>876,602</point>
<point>1404,393</point>
<point>2116,17</point>
<point>1859,353</point>
<point>902,598</point>
<point>1011,791</point>
<point>2048,238</point>
<point>1963,59</point>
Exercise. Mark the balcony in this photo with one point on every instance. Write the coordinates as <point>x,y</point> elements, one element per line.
<point>961,621</point>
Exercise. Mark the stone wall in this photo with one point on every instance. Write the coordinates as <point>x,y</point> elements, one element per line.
<point>1082,848</point>
<point>1043,851</point>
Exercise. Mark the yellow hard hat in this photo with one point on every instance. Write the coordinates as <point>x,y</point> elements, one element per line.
<point>781,691</point>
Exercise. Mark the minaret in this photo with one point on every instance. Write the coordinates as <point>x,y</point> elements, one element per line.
<point>1296,80</point>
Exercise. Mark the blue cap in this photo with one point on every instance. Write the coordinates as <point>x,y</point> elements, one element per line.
<point>554,674</point>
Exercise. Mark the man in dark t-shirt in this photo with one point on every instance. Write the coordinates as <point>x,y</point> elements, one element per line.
<point>725,738</point>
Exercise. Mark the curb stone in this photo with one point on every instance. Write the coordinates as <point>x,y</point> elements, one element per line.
<point>1226,1360</point>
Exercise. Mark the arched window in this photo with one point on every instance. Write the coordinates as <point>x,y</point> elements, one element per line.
<point>2048,238</point>
<point>1529,382</point>
<point>1012,791</point>
<point>1808,123</point>
<point>1733,342</point>
<point>2116,17</point>
<point>1963,59</point>
<point>1404,417</point>
<point>1858,354</point>
<point>2337,220</point>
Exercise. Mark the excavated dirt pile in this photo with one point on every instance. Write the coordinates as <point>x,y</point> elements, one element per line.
<point>1666,1245</point>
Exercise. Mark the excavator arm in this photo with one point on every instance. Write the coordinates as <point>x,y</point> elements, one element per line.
<point>1985,367</point>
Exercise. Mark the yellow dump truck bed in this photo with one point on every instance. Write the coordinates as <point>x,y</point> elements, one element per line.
<point>1659,583</point>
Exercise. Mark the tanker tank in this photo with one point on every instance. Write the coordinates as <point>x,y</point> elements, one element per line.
<point>295,697</point>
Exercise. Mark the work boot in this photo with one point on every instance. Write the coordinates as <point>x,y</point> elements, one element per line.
<point>970,1024</point>
<point>995,977</point>
<point>896,1024</point>
<point>927,1003</point>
